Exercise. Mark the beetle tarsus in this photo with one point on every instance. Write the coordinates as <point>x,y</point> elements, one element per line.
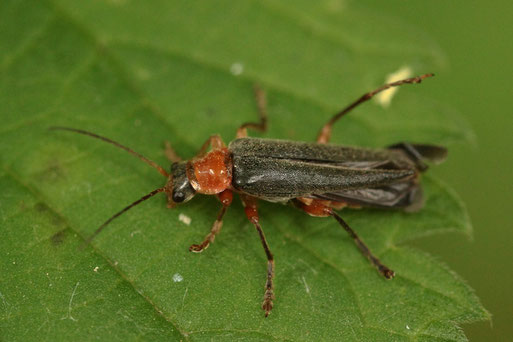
<point>267,305</point>
<point>387,273</point>
<point>216,228</point>
<point>198,248</point>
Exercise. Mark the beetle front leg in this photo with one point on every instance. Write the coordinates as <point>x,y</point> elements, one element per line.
<point>226,199</point>
<point>213,141</point>
<point>170,153</point>
<point>250,209</point>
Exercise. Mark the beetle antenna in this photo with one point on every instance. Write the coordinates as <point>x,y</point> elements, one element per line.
<point>142,199</point>
<point>159,168</point>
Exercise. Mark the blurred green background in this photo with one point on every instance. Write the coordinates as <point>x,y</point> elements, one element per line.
<point>476,37</point>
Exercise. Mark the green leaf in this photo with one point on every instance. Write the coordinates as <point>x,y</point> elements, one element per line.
<point>142,73</point>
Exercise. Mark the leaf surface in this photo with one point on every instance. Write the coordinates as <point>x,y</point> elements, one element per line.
<point>143,73</point>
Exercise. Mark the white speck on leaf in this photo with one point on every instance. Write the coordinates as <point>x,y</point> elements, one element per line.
<point>68,316</point>
<point>183,299</point>
<point>49,280</point>
<point>307,288</point>
<point>236,68</point>
<point>185,219</point>
<point>408,327</point>
<point>385,98</point>
<point>177,278</point>
<point>96,269</point>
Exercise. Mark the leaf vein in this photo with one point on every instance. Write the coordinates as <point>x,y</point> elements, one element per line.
<point>37,195</point>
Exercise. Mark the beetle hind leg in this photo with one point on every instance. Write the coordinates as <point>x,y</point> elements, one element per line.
<point>384,270</point>
<point>320,208</point>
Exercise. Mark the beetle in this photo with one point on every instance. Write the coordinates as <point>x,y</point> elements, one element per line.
<point>317,177</point>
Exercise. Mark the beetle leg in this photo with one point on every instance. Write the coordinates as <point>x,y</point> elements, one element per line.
<point>325,132</point>
<point>261,101</point>
<point>226,199</point>
<point>214,141</point>
<point>250,209</point>
<point>321,208</point>
<point>384,270</point>
<point>170,153</point>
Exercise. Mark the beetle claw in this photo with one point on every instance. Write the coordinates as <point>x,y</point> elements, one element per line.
<point>267,305</point>
<point>197,248</point>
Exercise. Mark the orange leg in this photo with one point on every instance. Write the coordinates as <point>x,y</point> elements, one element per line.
<point>213,141</point>
<point>325,132</point>
<point>261,126</point>
<point>170,153</point>
<point>321,208</point>
<point>226,199</point>
<point>250,209</point>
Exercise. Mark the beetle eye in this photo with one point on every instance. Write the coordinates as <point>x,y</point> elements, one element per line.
<point>178,197</point>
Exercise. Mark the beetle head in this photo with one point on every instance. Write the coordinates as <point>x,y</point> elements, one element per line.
<point>179,188</point>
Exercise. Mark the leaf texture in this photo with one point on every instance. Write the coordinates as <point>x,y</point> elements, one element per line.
<point>143,73</point>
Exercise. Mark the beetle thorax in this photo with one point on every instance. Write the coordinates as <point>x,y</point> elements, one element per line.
<point>212,173</point>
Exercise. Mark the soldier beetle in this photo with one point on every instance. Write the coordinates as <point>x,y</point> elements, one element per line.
<point>317,177</point>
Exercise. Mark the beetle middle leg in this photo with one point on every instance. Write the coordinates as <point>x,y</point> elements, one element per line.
<point>250,209</point>
<point>226,198</point>
<point>325,132</point>
<point>261,101</point>
<point>320,208</point>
